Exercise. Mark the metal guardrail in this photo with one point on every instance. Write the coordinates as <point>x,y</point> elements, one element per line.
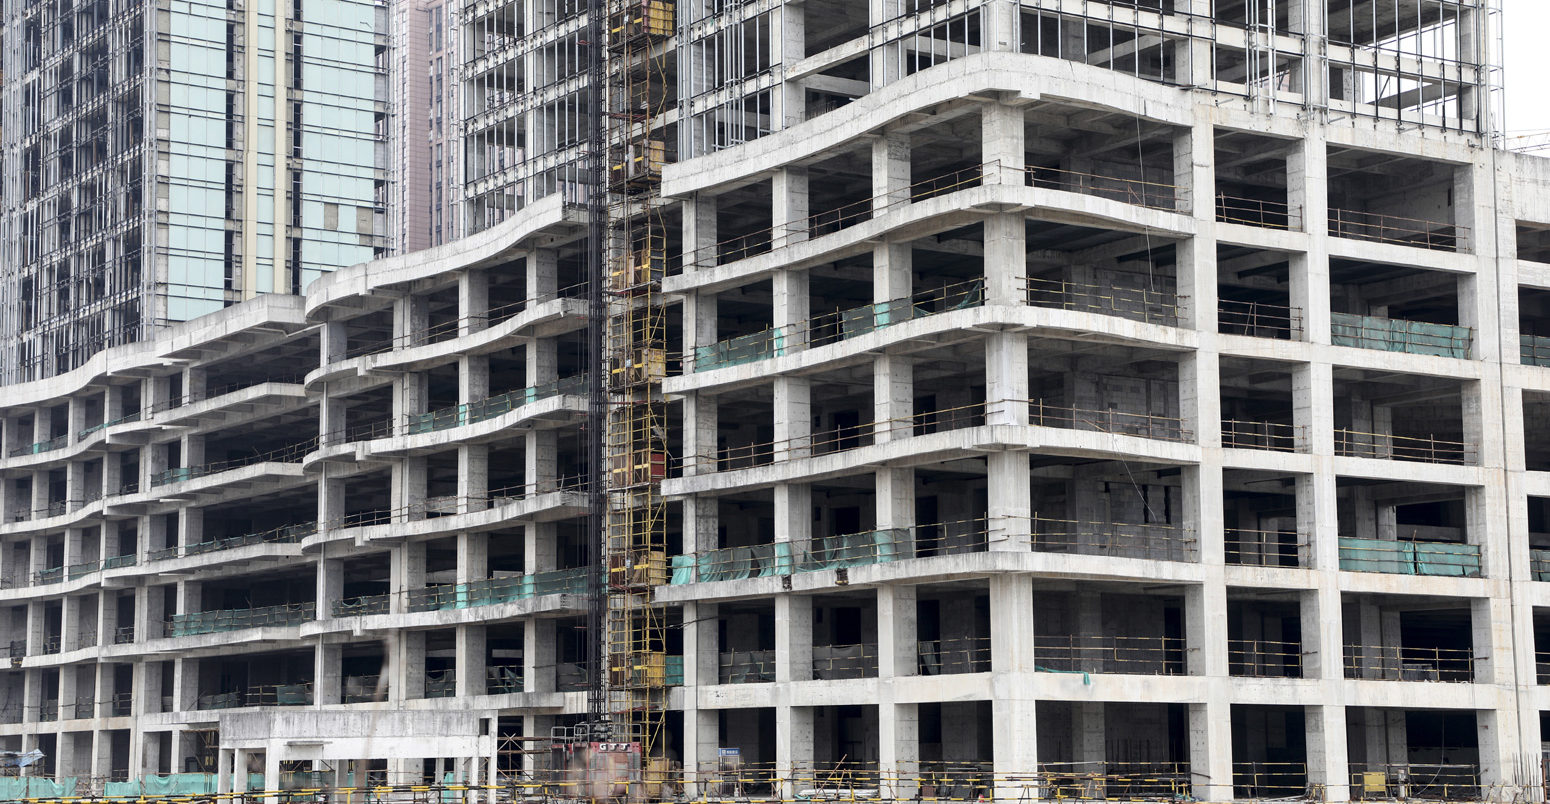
<point>1399,663</point>
<point>1424,449</point>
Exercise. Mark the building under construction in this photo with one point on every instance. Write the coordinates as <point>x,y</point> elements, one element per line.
<point>901,399</point>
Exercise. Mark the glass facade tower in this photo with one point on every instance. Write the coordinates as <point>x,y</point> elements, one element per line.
<point>162,164</point>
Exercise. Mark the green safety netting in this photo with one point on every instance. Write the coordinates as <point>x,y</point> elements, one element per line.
<point>1398,335</point>
<point>16,788</point>
<point>742,349</point>
<point>1409,558</point>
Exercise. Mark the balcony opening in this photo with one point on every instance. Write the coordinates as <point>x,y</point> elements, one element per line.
<point>1264,634</point>
<point>1254,294</point>
<point>1269,752</point>
<point>745,634</point>
<point>1256,401</point>
<point>745,429</point>
<point>1409,638</point>
<point>363,673</point>
<point>441,663</point>
<point>1251,181</point>
<point>953,628</point>
<point>1533,326</point>
<point>1109,628</point>
<point>1393,199</point>
<point>743,226</point>
<point>1401,417</point>
<point>1120,509</point>
<point>845,637</point>
<point>1259,517</point>
<point>1101,272</point>
<point>1533,241</point>
<point>256,680</point>
<point>845,745</point>
<point>1407,528</point>
<point>745,329</point>
<point>1397,309</point>
<point>1125,751</point>
<point>1111,156</point>
<point>1402,754</point>
<point>956,750</point>
<point>752,731</point>
<point>1110,390</point>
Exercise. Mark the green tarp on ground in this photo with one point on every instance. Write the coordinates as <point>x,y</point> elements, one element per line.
<point>16,788</point>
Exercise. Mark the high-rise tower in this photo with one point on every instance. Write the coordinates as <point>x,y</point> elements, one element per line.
<point>161,163</point>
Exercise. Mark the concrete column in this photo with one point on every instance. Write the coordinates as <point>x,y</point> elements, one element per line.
<point>330,585</point>
<point>1012,699</point>
<point>538,655</point>
<point>185,685</point>
<point>1210,749</point>
<point>791,310</point>
<point>471,661</point>
<point>897,631</point>
<point>893,397</point>
<point>701,668</point>
<point>793,748</point>
<point>271,776</point>
<point>225,759</point>
<point>407,570</point>
<point>793,637</point>
<point>898,728</point>
<point>896,506</point>
<point>793,417</point>
<point>788,44</point>
<point>1006,379</point>
<point>327,686</point>
<point>789,209</point>
<point>1006,250</point>
<point>699,232</point>
<point>890,175</point>
<point>1326,746</point>
<point>1009,495</point>
<point>473,301</point>
<point>473,476</point>
<point>794,517</point>
<point>700,428</point>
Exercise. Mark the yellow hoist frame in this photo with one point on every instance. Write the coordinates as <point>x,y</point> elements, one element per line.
<point>635,544</point>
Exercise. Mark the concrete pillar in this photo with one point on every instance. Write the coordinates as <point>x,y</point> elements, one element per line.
<point>794,517</point>
<point>699,232</point>
<point>1006,252</point>
<point>1210,750</point>
<point>788,44</point>
<point>1006,379</point>
<point>1009,496</point>
<point>789,211</point>
<point>793,637</point>
<point>473,301</point>
<point>330,586</point>
<point>327,684</point>
<point>1012,699</point>
<point>890,186</point>
<point>224,762</point>
<point>538,655</point>
<point>893,397</point>
<point>793,417</point>
<point>702,667</point>
<point>897,631</point>
<point>471,661</point>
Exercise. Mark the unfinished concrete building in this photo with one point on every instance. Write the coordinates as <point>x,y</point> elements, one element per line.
<point>163,163</point>
<point>1041,399</point>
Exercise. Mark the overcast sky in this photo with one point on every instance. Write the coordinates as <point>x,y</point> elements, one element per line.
<point>1527,63</point>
